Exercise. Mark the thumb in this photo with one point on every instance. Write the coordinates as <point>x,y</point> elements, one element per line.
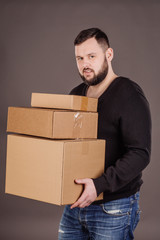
<point>80,181</point>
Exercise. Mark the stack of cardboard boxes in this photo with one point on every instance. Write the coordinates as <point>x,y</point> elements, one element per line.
<point>55,143</point>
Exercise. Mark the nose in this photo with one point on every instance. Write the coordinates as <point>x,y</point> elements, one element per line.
<point>86,63</point>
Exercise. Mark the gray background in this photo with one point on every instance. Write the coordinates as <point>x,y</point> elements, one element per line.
<point>37,55</point>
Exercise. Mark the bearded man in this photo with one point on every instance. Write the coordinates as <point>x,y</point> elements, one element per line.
<point>124,122</point>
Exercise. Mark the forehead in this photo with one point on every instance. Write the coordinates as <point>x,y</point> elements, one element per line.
<point>89,46</point>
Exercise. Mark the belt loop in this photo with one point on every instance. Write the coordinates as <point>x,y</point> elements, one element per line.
<point>136,195</point>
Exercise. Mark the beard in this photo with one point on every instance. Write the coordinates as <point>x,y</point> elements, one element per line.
<point>96,79</point>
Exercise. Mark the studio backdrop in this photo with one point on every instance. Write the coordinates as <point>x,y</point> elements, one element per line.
<point>37,55</point>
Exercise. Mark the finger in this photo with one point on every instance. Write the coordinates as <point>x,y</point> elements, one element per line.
<point>76,204</point>
<point>85,204</point>
<point>81,200</point>
<point>81,181</point>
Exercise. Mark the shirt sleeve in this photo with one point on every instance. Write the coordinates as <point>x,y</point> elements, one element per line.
<point>135,128</point>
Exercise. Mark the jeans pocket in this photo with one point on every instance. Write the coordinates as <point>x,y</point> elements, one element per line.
<point>116,211</point>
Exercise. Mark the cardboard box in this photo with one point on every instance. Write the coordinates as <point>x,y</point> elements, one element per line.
<point>45,169</point>
<point>70,102</point>
<point>51,123</point>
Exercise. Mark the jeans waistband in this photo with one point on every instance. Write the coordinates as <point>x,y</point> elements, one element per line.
<point>135,196</point>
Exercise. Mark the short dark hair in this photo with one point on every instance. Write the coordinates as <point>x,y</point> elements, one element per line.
<point>98,34</point>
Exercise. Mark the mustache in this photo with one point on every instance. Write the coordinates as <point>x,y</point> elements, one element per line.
<point>84,69</point>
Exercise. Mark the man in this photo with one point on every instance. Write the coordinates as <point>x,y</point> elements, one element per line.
<point>124,121</point>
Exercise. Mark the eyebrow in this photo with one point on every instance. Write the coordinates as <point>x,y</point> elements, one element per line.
<point>91,54</point>
<point>87,54</point>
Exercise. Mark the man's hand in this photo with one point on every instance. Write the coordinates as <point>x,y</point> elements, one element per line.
<point>89,194</point>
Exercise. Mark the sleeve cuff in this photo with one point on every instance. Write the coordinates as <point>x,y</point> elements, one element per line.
<point>100,184</point>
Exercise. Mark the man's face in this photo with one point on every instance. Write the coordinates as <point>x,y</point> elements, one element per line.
<point>91,62</point>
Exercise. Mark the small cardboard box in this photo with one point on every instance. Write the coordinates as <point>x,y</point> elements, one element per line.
<point>51,123</point>
<point>70,102</point>
<point>45,169</point>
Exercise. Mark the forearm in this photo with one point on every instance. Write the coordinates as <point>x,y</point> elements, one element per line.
<point>123,172</point>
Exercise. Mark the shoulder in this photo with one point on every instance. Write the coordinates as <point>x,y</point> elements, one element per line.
<point>132,100</point>
<point>129,84</point>
<point>130,89</point>
<point>78,90</point>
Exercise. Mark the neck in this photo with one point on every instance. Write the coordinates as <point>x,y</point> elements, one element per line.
<point>97,90</point>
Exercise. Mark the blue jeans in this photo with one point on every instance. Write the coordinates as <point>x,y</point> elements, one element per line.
<point>114,220</point>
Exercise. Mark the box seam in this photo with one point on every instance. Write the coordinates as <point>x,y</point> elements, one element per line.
<point>72,103</point>
<point>6,164</point>
<point>52,122</point>
<point>62,184</point>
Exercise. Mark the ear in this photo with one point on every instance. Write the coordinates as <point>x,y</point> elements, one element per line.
<point>109,54</point>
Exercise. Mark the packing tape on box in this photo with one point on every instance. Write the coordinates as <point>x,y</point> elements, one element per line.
<point>84,104</point>
<point>78,118</point>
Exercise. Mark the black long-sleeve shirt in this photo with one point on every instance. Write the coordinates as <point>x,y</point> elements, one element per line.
<point>124,122</point>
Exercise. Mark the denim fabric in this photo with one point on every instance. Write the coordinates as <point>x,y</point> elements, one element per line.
<point>115,220</point>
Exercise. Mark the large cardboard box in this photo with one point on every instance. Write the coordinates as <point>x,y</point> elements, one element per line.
<point>51,123</point>
<point>71,102</point>
<point>45,169</point>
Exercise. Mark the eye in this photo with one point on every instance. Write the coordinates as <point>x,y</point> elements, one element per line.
<point>92,56</point>
<point>79,58</point>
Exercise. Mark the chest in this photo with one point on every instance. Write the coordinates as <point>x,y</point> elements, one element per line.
<point>108,119</point>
